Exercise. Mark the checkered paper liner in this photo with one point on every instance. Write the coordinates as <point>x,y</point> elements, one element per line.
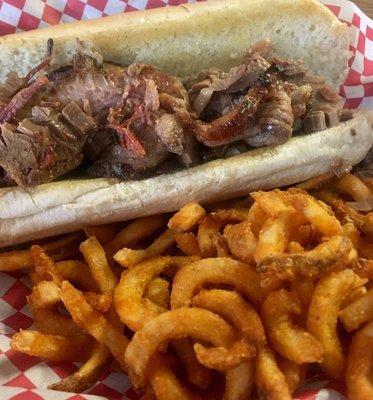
<point>26,378</point>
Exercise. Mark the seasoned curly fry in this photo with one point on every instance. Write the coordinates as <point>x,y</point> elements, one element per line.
<point>77,272</point>
<point>241,241</point>
<point>128,258</point>
<point>312,263</point>
<point>208,236</point>
<point>51,347</point>
<point>269,379</point>
<point>130,292</point>
<point>219,271</point>
<point>187,218</point>
<point>294,373</point>
<point>158,292</point>
<point>358,312</point>
<point>315,213</point>
<point>45,269</point>
<point>323,315</point>
<point>353,186</point>
<point>256,217</point>
<point>273,203</point>
<point>183,322</point>
<point>133,233</point>
<point>359,365</point>
<point>224,359</point>
<point>87,374</point>
<point>273,238</point>
<point>95,256</point>
<point>231,215</point>
<point>233,308</point>
<point>164,382</point>
<point>93,322</point>
<point>288,339</point>
<point>199,375</point>
<point>188,243</point>
<point>239,382</point>
<point>341,209</point>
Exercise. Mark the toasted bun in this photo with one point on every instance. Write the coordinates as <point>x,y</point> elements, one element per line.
<point>61,207</point>
<point>185,39</point>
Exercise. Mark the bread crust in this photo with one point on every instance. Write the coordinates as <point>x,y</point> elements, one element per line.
<point>61,207</point>
<point>184,39</point>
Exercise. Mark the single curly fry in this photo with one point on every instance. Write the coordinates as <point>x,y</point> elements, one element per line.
<point>158,292</point>
<point>164,382</point>
<point>358,312</point>
<point>128,258</point>
<point>223,359</point>
<point>323,316</point>
<point>239,382</point>
<point>273,238</point>
<point>188,243</point>
<point>45,268</point>
<point>233,308</point>
<point>294,373</point>
<point>129,295</point>
<point>187,218</point>
<point>241,241</point>
<point>269,379</point>
<point>353,186</point>
<point>309,264</point>
<point>95,257</point>
<point>208,236</point>
<point>184,322</point>
<point>360,365</point>
<point>87,374</point>
<point>77,272</point>
<point>52,347</point>
<point>315,212</point>
<point>273,203</point>
<point>92,322</point>
<point>139,229</point>
<point>231,215</point>
<point>193,277</point>
<point>256,216</point>
<point>288,339</point>
<point>199,375</point>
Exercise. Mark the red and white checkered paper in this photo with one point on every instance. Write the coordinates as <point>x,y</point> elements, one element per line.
<point>26,378</point>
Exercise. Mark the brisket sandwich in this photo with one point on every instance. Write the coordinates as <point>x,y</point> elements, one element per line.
<point>140,113</point>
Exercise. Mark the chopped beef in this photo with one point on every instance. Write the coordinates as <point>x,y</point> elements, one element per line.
<point>40,114</point>
<point>314,121</point>
<point>290,68</point>
<point>135,121</point>
<point>78,119</point>
<point>170,133</point>
<point>21,98</point>
<point>103,88</point>
<point>221,84</point>
<point>229,128</point>
<point>274,120</point>
<point>38,153</point>
<point>324,108</point>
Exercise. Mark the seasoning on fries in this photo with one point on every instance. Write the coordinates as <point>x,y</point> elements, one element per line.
<point>227,303</point>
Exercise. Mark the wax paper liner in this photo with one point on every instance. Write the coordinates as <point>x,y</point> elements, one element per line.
<point>26,378</point>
